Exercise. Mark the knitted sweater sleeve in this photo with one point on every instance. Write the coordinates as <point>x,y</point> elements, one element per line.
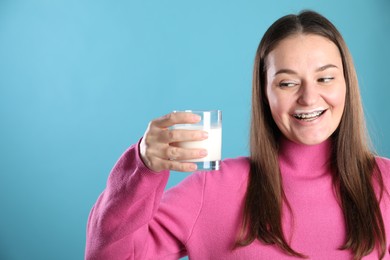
<point>134,219</point>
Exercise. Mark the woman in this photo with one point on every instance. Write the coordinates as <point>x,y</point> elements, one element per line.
<point>310,188</point>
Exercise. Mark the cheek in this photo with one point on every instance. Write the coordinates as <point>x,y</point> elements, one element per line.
<point>277,106</point>
<point>337,100</point>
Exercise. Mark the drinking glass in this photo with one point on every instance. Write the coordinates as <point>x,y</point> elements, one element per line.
<point>211,122</point>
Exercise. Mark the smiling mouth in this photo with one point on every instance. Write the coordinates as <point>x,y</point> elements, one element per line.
<point>309,116</point>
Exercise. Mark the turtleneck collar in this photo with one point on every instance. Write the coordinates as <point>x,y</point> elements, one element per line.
<point>304,160</point>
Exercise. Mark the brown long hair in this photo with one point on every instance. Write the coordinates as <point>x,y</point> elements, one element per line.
<point>352,161</point>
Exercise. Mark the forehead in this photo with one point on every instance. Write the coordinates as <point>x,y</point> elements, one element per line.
<point>303,51</point>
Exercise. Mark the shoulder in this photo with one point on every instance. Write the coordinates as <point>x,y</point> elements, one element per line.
<point>232,172</point>
<point>234,167</point>
<point>383,164</point>
<point>384,167</point>
<point>235,164</point>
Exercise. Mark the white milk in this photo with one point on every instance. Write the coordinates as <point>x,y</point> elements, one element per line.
<point>213,143</point>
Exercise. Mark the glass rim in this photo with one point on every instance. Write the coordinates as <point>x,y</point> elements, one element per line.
<point>197,111</point>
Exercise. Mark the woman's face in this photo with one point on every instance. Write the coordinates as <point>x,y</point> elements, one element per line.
<point>306,87</point>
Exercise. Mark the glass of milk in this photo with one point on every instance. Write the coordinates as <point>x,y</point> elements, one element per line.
<point>211,122</point>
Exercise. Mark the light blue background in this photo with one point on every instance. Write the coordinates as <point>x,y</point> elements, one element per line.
<point>80,80</point>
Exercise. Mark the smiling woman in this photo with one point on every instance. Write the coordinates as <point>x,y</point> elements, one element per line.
<point>310,187</point>
<point>303,67</point>
<point>306,87</point>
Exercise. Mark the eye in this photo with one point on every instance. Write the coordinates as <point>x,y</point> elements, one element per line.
<point>287,84</point>
<point>325,79</point>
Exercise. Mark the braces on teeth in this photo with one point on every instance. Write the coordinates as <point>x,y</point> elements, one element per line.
<point>309,115</point>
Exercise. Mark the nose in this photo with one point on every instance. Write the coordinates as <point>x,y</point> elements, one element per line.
<point>308,94</point>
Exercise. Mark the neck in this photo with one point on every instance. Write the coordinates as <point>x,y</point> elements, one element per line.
<point>303,160</point>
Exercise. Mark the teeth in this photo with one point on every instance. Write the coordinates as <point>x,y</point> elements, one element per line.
<point>308,116</point>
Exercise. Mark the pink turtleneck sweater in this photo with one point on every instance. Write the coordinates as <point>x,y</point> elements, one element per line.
<point>135,219</point>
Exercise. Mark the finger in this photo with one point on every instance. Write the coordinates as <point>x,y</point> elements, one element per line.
<point>182,135</point>
<point>178,153</point>
<point>175,118</point>
<point>175,165</point>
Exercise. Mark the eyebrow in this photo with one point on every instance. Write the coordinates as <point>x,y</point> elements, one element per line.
<point>289,71</point>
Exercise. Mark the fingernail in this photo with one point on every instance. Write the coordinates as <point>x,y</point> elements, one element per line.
<point>196,118</point>
<point>203,153</point>
<point>205,134</point>
<point>193,167</point>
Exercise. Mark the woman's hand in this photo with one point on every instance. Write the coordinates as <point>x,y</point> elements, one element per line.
<point>159,150</point>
